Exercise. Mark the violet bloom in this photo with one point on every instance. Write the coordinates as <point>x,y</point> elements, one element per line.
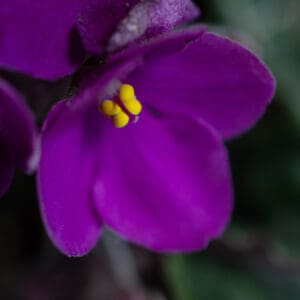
<point>50,39</point>
<point>45,39</point>
<point>18,137</point>
<point>163,179</point>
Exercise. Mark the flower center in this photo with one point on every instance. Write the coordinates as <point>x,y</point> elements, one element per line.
<point>123,107</point>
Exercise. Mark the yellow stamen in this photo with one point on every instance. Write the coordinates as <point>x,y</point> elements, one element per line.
<point>133,106</point>
<point>109,108</point>
<point>126,92</point>
<point>128,99</point>
<point>120,120</point>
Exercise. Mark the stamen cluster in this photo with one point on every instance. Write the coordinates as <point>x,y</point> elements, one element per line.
<point>120,109</point>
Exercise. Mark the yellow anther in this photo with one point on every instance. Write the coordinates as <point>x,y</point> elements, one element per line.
<point>120,120</point>
<point>127,97</point>
<point>120,109</point>
<point>126,92</point>
<point>133,106</point>
<point>109,108</point>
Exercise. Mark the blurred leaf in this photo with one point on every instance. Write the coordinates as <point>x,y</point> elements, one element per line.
<point>196,277</point>
<point>206,277</point>
<point>265,165</point>
<point>285,230</point>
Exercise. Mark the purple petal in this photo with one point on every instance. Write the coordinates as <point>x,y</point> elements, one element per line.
<point>17,129</point>
<point>40,38</point>
<point>211,78</point>
<point>65,177</point>
<point>150,18</point>
<point>116,68</point>
<point>99,20</point>
<point>166,184</point>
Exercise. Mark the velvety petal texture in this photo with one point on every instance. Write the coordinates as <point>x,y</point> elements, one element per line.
<point>98,21</point>
<point>128,180</point>
<point>18,137</point>
<point>40,38</point>
<point>65,177</point>
<point>150,18</point>
<point>108,25</point>
<point>98,82</point>
<point>211,78</point>
<point>166,185</point>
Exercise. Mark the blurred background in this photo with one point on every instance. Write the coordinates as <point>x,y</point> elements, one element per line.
<point>259,255</point>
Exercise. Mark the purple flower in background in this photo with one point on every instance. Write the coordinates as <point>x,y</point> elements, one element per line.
<point>49,38</point>
<point>121,25</point>
<point>18,136</point>
<point>162,179</point>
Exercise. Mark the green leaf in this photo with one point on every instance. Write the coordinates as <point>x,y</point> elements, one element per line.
<point>198,277</point>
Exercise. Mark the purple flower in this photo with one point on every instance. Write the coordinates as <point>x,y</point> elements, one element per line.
<point>46,39</point>
<point>49,38</point>
<point>121,26</point>
<point>18,137</point>
<point>163,179</point>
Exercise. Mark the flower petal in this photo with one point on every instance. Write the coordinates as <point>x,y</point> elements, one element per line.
<point>122,22</point>
<point>17,129</point>
<point>211,77</point>
<point>98,21</point>
<point>150,18</point>
<point>40,38</point>
<point>97,82</point>
<point>65,178</point>
<point>166,185</point>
